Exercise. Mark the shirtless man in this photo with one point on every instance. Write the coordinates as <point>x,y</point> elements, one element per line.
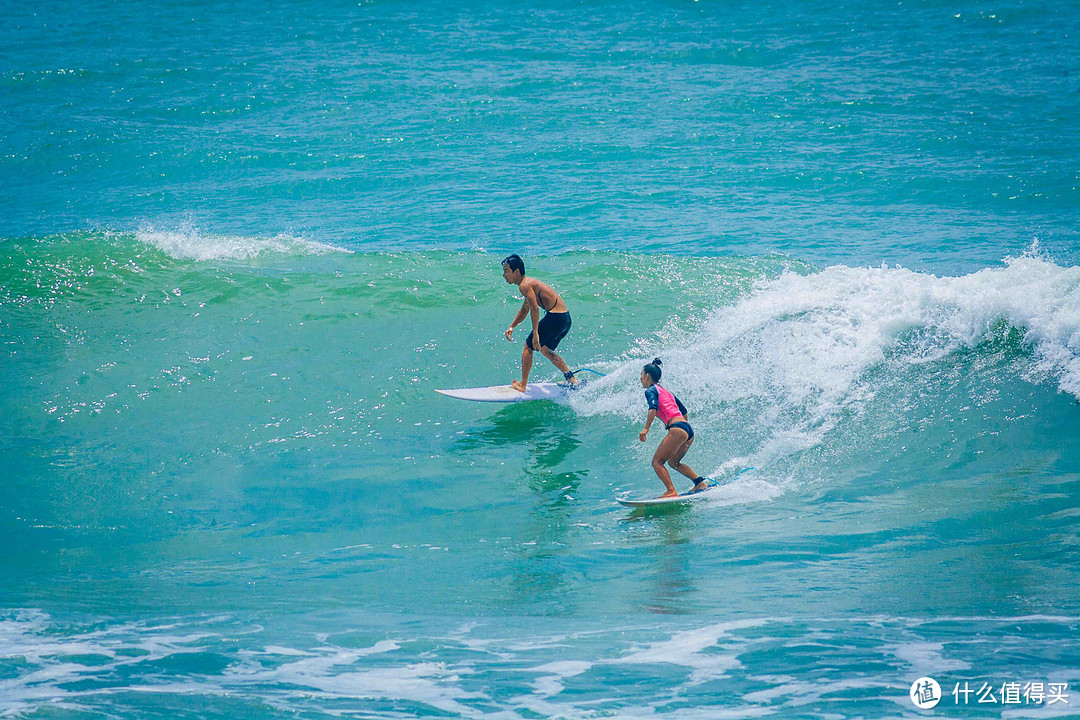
<point>547,333</point>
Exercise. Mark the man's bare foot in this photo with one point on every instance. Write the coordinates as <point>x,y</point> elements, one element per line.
<point>669,493</point>
<point>698,487</point>
<point>518,385</point>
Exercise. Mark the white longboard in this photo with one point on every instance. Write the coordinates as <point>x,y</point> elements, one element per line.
<point>507,393</point>
<point>686,497</point>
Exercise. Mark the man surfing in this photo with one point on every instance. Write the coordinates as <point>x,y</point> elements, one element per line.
<point>547,333</point>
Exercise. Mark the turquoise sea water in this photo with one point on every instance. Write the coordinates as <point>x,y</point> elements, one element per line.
<point>241,246</point>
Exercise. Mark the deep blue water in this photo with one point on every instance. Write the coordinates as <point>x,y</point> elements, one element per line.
<point>937,135</point>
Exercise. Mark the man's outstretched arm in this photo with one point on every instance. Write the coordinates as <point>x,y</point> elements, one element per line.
<point>518,318</point>
<point>534,313</point>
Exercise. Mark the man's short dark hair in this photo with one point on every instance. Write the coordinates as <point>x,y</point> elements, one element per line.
<point>514,262</point>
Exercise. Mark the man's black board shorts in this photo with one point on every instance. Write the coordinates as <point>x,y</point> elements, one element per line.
<point>553,328</point>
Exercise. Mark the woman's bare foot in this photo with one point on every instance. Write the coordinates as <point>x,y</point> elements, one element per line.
<point>669,493</point>
<point>518,385</point>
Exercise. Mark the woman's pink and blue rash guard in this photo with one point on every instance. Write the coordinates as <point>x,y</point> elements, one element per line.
<point>664,402</point>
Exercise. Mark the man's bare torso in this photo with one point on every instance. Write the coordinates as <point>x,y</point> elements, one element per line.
<point>544,294</point>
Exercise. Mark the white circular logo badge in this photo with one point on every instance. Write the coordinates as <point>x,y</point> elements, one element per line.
<point>925,693</point>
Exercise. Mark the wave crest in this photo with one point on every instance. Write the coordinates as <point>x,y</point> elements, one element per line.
<point>187,243</point>
<point>792,359</point>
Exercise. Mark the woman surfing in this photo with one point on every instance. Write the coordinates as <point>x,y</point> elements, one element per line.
<point>680,436</point>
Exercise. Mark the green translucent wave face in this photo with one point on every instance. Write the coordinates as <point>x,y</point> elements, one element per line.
<point>182,431</point>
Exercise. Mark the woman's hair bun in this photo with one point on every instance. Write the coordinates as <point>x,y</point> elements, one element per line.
<point>656,362</point>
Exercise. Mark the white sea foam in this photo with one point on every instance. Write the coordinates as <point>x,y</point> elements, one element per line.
<point>687,648</point>
<point>327,672</point>
<point>52,662</point>
<point>743,490</point>
<point>53,670</point>
<point>552,683</point>
<point>188,243</point>
<point>926,658</point>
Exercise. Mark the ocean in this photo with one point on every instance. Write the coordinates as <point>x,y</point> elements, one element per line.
<point>242,245</point>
